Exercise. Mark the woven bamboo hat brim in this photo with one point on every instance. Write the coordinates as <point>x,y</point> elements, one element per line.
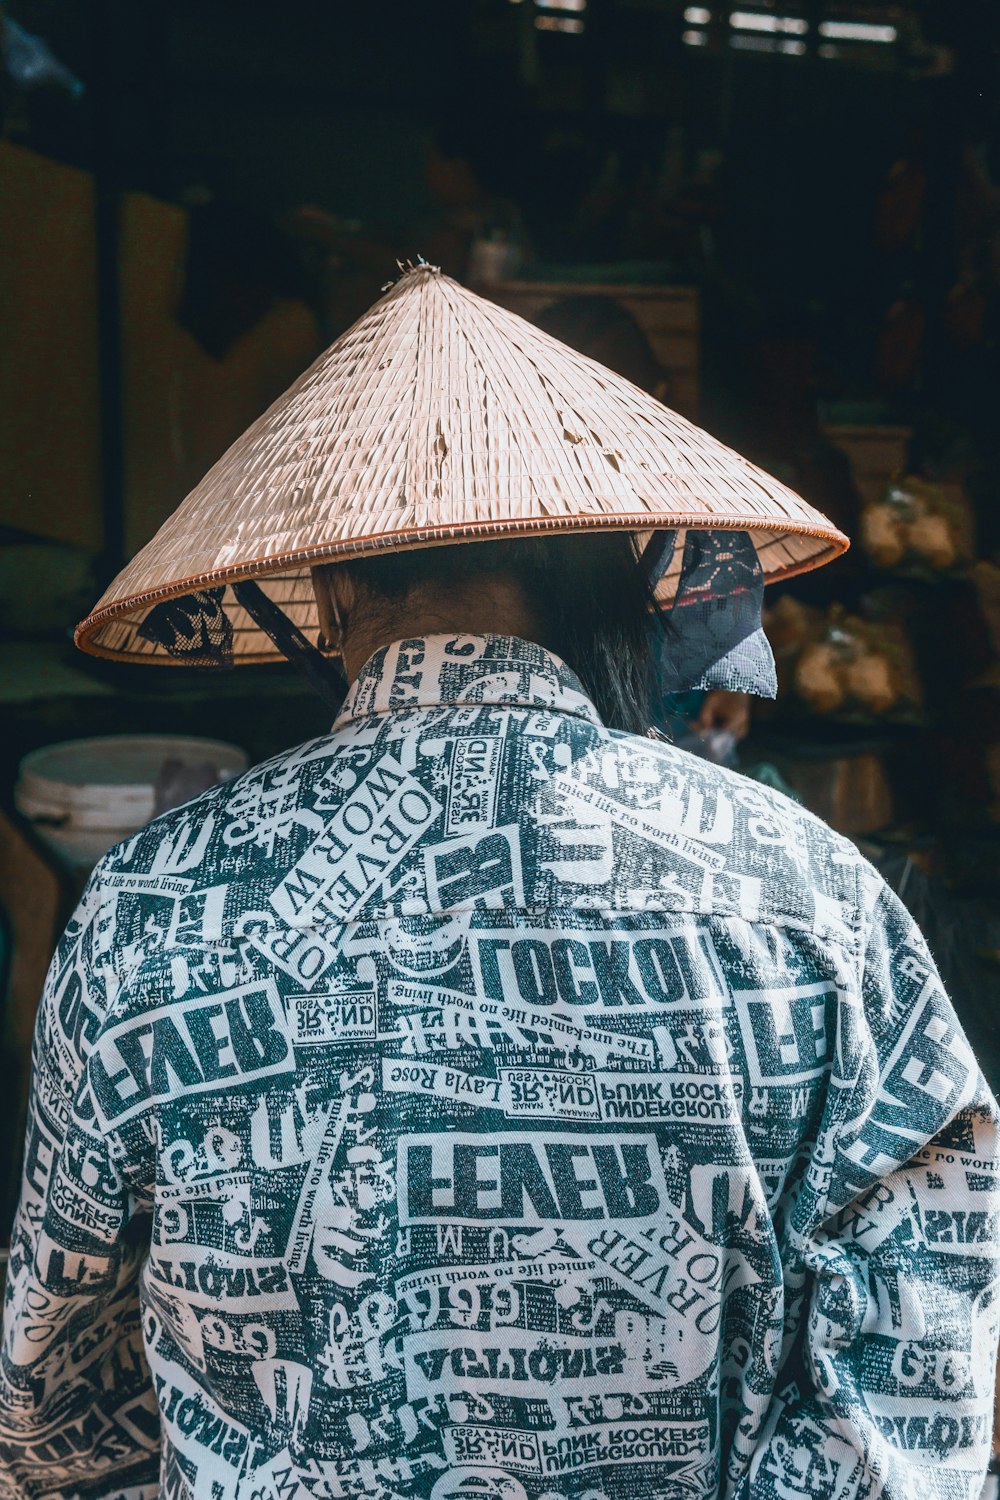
<point>441,418</point>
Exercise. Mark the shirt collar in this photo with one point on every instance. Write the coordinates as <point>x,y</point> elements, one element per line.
<point>437,670</point>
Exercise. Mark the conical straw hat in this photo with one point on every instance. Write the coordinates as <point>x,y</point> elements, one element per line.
<point>440,418</point>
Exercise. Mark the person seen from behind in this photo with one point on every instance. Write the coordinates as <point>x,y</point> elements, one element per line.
<point>485,1100</point>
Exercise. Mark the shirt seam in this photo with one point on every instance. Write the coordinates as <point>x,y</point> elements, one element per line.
<point>844,1107</point>
<point>453,704</point>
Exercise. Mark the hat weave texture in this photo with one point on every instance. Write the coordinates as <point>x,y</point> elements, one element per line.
<point>438,418</point>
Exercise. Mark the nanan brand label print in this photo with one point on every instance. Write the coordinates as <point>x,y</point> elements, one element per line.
<point>477,1104</point>
<point>475,780</point>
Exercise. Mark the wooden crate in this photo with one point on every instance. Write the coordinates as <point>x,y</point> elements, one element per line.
<point>181,407</point>
<point>667,315</point>
<point>876,454</point>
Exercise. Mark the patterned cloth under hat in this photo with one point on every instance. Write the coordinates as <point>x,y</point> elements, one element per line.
<point>440,418</point>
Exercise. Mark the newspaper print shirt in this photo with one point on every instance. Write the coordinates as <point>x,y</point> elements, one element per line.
<point>476,1104</point>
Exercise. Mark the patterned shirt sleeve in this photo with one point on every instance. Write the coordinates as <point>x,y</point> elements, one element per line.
<point>77,1413</point>
<point>890,1387</point>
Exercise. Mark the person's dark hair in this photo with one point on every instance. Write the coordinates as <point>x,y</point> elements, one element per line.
<point>590,598</point>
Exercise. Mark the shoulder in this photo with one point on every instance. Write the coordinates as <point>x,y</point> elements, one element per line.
<point>765,809</point>
<point>223,833</point>
<point>787,862</point>
<point>182,884</point>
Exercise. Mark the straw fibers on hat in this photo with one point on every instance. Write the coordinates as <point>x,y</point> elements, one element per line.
<point>437,418</point>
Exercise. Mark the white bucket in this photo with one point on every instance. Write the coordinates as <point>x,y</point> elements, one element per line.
<point>83,796</point>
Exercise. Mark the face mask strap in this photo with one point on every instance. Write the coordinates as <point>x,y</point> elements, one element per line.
<point>654,560</point>
<point>325,677</point>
